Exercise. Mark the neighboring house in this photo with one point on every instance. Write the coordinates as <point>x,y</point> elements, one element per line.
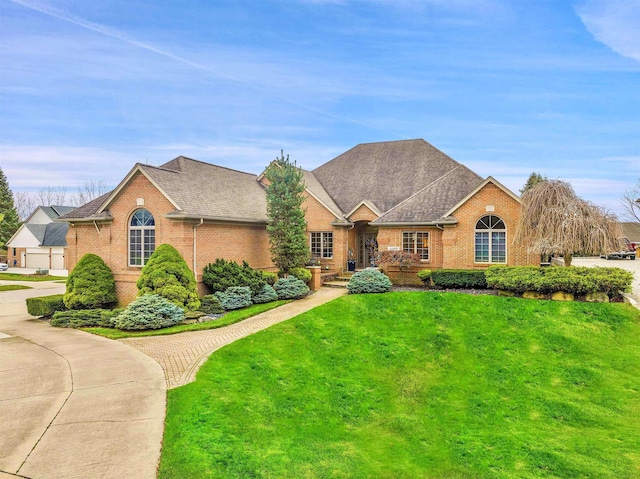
<point>40,242</point>
<point>631,231</point>
<point>404,195</point>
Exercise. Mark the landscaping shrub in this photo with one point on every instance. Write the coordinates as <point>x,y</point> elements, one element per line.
<point>84,318</point>
<point>222,274</point>
<point>459,278</point>
<point>210,304</point>
<point>290,288</point>
<point>369,281</point>
<point>265,295</point>
<point>150,311</point>
<point>270,277</point>
<point>45,305</point>
<point>167,274</point>
<point>303,274</point>
<point>576,280</point>
<point>90,285</point>
<point>235,297</point>
<point>424,275</point>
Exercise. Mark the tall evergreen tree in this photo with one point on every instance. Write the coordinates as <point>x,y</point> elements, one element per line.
<point>287,225</point>
<point>534,179</point>
<point>10,222</point>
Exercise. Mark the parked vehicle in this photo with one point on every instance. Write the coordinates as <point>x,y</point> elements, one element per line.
<point>628,251</point>
<point>4,266</point>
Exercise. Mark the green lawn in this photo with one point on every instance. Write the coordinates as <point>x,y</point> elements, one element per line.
<point>13,287</point>
<point>229,318</point>
<point>29,277</point>
<point>418,385</point>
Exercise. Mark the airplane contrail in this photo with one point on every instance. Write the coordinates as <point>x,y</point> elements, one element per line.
<point>96,27</point>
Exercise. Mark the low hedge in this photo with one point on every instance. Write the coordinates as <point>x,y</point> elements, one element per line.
<point>85,318</point>
<point>576,280</point>
<point>459,278</point>
<point>45,305</point>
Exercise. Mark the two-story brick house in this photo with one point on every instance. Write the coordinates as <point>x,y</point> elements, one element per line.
<point>400,195</point>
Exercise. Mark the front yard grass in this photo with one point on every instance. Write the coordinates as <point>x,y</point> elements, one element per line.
<point>404,385</point>
<point>29,277</point>
<point>229,318</point>
<point>13,287</point>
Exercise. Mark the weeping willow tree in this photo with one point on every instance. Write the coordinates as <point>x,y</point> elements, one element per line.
<point>556,221</point>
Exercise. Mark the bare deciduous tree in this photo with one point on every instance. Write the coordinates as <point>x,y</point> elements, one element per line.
<point>51,196</point>
<point>90,190</point>
<point>24,203</point>
<point>631,203</point>
<point>556,221</point>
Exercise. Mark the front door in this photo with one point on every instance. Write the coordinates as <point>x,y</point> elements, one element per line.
<point>23,260</point>
<point>364,251</point>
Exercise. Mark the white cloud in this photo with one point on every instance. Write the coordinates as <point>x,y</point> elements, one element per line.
<point>616,23</point>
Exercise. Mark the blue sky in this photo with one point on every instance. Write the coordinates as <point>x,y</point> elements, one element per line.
<point>88,88</point>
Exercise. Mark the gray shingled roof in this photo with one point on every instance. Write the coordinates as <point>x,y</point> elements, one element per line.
<point>88,210</point>
<point>55,234</point>
<point>37,231</point>
<point>203,189</point>
<point>433,202</point>
<point>385,173</point>
<point>314,186</point>
<point>631,231</point>
<point>55,211</point>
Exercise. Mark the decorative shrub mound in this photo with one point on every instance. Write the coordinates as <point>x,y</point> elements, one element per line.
<point>576,280</point>
<point>270,277</point>
<point>85,318</point>
<point>150,311</point>
<point>369,281</point>
<point>291,288</point>
<point>235,297</point>
<point>459,278</point>
<point>265,295</point>
<point>90,285</point>
<point>424,275</point>
<point>224,274</point>
<point>303,274</point>
<point>167,274</point>
<point>210,304</point>
<point>45,305</point>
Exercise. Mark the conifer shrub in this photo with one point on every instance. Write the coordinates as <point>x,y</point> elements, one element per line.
<point>235,297</point>
<point>210,304</point>
<point>369,281</point>
<point>265,295</point>
<point>290,288</point>
<point>303,274</point>
<point>90,285</point>
<point>270,277</point>
<point>150,311</point>
<point>224,274</point>
<point>85,318</point>
<point>167,274</point>
<point>45,306</point>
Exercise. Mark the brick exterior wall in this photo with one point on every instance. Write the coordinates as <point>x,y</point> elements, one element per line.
<point>319,219</point>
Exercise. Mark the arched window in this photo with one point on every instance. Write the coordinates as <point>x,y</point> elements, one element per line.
<point>491,240</point>
<point>142,237</point>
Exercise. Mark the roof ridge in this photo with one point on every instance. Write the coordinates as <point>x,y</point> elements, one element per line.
<point>207,164</point>
<point>423,188</point>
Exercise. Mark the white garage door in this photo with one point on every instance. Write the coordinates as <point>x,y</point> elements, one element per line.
<point>37,258</point>
<point>57,261</point>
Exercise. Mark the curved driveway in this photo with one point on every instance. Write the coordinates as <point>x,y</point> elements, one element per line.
<point>73,405</point>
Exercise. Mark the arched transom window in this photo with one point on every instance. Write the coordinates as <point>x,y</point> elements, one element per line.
<point>142,237</point>
<point>491,240</point>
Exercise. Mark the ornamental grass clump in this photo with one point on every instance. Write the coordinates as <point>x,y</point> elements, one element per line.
<point>369,281</point>
<point>265,295</point>
<point>291,288</point>
<point>90,285</point>
<point>150,311</point>
<point>167,274</point>
<point>235,297</point>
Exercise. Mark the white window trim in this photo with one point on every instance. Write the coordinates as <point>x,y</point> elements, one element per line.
<point>321,233</point>
<point>140,228</point>
<point>506,249</point>
<point>415,244</point>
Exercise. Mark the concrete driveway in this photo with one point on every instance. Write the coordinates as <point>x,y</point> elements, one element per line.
<point>629,265</point>
<point>74,405</point>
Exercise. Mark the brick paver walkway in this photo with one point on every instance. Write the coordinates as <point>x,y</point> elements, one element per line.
<point>181,355</point>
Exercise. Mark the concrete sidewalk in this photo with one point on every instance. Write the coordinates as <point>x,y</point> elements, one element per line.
<point>74,405</point>
<point>181,355</point>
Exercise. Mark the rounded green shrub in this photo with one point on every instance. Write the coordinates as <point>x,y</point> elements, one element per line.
<point>167,274</point>
<point>150,311</point>
<point>369,281</point>
<point>270,277</point>
<point>303,274</point>
<point>223,274</point>
<point>235,297</point>
<point>265,295</point>
<point>90,285</point>
<point>291,288</point>
<point>424,275</point>
<point>210,304</point>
